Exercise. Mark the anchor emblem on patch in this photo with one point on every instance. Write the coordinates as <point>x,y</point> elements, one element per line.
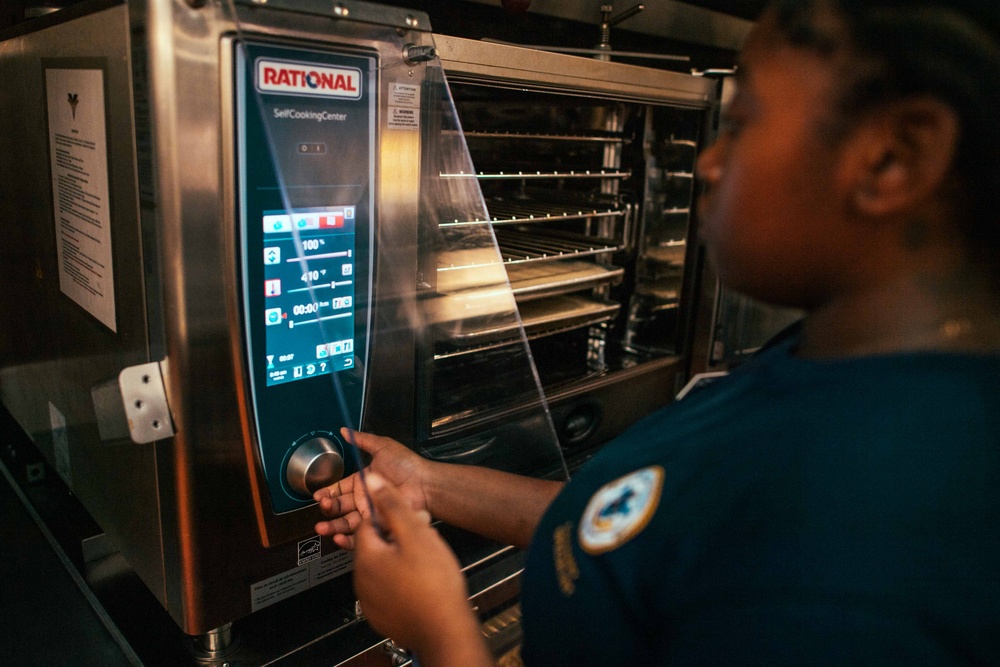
<point>620,510</point>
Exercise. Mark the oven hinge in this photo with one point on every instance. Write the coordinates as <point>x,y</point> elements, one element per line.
<point>134,405</point>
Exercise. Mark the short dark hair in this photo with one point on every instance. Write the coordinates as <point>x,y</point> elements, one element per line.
<point>947,49</point>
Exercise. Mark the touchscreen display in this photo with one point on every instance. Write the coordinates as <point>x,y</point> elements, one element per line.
<point>306,121</point>
<point>309,268</point>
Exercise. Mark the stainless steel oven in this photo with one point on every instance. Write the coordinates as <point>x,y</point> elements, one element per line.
<point>233,227</point>
<point>204,177</point>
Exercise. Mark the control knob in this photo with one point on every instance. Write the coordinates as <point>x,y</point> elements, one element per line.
<point>315,463</point>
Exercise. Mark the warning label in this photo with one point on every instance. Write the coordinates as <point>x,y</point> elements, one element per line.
<point>404,118</point>
<point>279,587</point>
<point>404,95</point>
<point>331,566</point>
<point>285,585</point>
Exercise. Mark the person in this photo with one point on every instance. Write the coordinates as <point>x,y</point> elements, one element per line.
<point>836,498</point>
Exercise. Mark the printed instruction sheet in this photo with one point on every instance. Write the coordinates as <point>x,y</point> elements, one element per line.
<point>78,153</point>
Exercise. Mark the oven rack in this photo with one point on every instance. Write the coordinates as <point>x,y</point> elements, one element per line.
<point>529,136</point>
<point>519,245</point>
<point>520,175</point>
<point>537,280</point>
<point>511,212</point>
<point>682,142</point>
<point>545,317</point>
<point>519,214</point>
<point>668,253</point>
<point>666,294</point>
<point>480,278</point>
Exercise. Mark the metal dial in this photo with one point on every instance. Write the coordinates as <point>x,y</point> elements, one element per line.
<point>315,463</point>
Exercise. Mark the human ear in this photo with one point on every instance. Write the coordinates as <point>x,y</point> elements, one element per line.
<point>900,156</point>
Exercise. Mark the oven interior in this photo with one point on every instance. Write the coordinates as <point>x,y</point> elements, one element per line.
<point>590,202</point>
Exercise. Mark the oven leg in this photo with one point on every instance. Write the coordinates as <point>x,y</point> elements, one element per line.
<point>214,643</point>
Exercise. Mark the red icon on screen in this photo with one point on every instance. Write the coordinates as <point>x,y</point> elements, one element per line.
<point>272,287</point>
<point>331,220</point>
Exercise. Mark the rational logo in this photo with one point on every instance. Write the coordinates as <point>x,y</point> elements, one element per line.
<point>296,78</point>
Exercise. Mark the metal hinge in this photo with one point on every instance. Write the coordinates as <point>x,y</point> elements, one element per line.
<point>134,405</point>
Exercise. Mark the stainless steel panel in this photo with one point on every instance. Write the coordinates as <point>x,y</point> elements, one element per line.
<point>466,59</point>
<point>57,350</point>
<point>220,509</point>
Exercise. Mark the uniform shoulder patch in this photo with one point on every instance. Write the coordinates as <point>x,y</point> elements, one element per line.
<point>620,510</point>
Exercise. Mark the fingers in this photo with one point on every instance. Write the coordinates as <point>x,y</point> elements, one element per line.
<point>410,585</point>
<point>341,498</point>
<point>393,513</point>
<point>346,542</point>
<point>338,506</point>
<point>366,442</point>
<point>340,525</point>
<point>346,511</point>
<point>346,502</point>
<point>344,487</point>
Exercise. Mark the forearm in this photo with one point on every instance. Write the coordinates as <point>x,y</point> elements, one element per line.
<point>499,505</point>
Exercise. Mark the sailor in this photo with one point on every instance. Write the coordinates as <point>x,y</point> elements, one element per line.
<point>835,499</point>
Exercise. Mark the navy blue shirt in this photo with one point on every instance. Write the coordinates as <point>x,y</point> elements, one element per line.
<point>794,512</point>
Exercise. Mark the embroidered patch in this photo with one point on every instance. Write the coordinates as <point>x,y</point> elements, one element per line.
<point>562,553</point>
<point>620,510</point>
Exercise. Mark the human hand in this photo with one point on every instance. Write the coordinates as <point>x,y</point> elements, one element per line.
<point>410,585</point>
<point>346,503</point>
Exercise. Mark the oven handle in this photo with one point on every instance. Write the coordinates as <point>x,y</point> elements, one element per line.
<point>627,228</point>
<point>462,450</point>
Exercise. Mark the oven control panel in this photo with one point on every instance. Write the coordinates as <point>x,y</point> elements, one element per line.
<point>305,141</point>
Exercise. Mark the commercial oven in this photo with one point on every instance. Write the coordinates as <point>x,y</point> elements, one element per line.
<point>233,227</point>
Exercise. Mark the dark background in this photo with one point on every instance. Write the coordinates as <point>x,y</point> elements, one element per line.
<point>476,20</point>
<point>13,10</point>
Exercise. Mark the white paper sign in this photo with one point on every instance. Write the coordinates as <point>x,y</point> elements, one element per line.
<point>79,159</point>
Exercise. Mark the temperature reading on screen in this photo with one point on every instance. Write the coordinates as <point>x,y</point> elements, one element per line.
<point>309,292</point>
